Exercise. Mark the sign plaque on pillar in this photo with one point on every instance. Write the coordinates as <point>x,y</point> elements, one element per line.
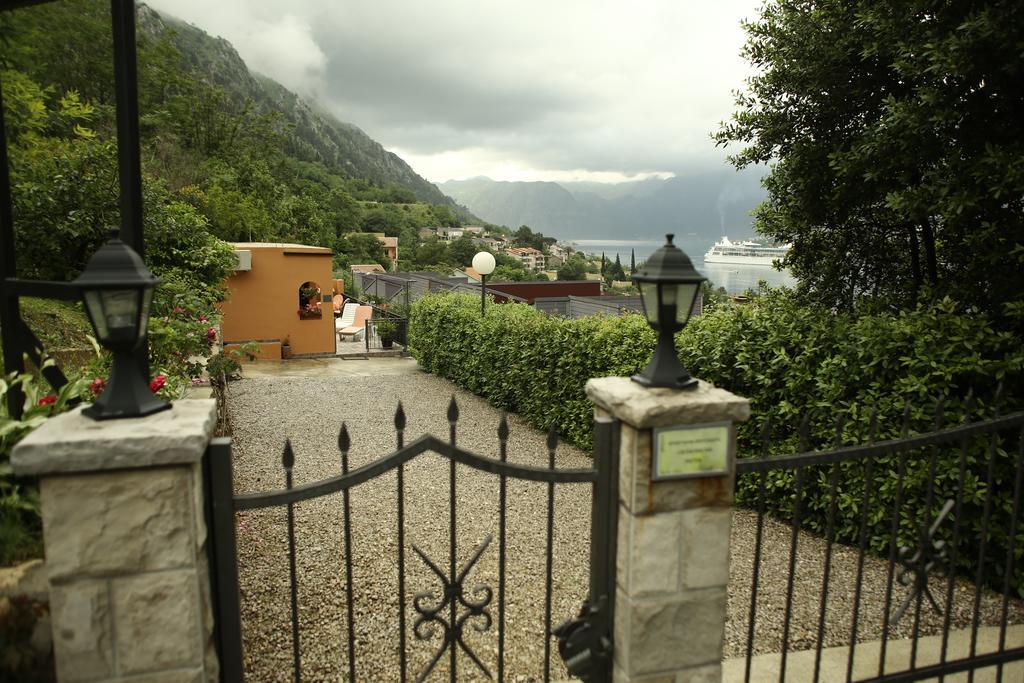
<point>695,450</point>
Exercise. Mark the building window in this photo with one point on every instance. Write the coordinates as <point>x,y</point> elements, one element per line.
<point>309,300</point>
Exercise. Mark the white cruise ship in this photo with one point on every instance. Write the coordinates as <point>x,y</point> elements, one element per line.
<point>746,252</point>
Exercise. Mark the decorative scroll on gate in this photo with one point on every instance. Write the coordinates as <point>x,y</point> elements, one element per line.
<point>584,643</point>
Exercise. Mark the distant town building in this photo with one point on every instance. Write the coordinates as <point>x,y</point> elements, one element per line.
<point>390,245</point>
<point>560,251</point>
<point>531,258</point>
<point>473,229</point>
<point>449,234</point>
<point>367,268</point>
<point>427,233</point>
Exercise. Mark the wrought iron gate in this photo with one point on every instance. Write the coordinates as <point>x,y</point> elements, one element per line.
<point>950,535</point>
<point>584,642</point>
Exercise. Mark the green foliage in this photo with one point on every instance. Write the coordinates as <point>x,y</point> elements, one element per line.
<point>893,130</point>
<point>525,361</point>
<point>20,523</point>
<point>228,364</point>
<point>574,268</point>
<point>791,360</point>
<point>386,329</point>
<point>525,237</point>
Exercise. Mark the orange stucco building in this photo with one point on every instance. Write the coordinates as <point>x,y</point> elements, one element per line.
<point>280,294</point>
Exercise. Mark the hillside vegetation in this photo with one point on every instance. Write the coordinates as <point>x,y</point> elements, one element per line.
<point>235,154</point>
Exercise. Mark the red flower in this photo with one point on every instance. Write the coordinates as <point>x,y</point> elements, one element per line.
<point>97,386</point>
<point>158,383</point>
<point>201,318</point>
<point>48,400</point>
<point>211,335</point>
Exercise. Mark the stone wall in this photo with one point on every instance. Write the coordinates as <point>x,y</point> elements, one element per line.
<point>125,540</point>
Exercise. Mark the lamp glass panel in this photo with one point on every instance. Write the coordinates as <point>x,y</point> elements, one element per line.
<point>687,292</point>
<point>147,299</point>
<point>121,311</point>
<point>95,307</point>
<point>649,298</point>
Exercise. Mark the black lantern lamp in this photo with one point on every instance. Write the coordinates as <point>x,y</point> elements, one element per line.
<point>117,289</point>
<point>668,287</point>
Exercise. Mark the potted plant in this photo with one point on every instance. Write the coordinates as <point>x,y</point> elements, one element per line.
<point>387,330</point>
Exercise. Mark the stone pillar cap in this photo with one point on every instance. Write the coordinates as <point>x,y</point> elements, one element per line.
<point>71,442</point>
<point>647,407</point>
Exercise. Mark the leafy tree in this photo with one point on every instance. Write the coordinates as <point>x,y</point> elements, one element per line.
<point>894,133</point>
<point>356,248</point>
<point>525,237</point>
<point>614,271</point>
<point>443,216</point>
<point>463,250</point>
<point>431,253</point>
<point>574,268</point>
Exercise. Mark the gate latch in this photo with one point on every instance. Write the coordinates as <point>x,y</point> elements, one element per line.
<point>584,643</point>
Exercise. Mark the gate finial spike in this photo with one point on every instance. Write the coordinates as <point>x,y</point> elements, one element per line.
<point>503,427</point>
<point>453,411</point>
<point>400,417</point>
<point>552,437</point>
<point>343,441</point>
<point>288,455</point>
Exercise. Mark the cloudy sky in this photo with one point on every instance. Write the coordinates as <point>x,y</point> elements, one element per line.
<point>515,90</point>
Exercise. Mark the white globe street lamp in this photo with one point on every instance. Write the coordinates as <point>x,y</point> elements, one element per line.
<point>483,263</point>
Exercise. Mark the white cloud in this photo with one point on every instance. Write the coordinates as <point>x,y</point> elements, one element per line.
<point>513,89</point>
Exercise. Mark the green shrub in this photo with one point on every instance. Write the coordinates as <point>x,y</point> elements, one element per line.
<point>794,362</point>
<point>20,524</point>
<point>524,361</point>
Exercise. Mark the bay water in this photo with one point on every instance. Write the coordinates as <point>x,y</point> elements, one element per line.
<point>735,278</point>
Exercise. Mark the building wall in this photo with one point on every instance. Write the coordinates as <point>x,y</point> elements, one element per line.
<point>533,290</point>
<point>263,305</point>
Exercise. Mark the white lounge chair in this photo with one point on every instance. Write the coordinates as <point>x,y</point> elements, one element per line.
<point>357,329</point>
<point>346,319</point>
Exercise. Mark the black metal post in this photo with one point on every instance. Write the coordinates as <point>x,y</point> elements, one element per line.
<point>483,295</point>
<point>122,13</point>
<point>10,314</point>
<point>126,86</point>
<point>604,522</point>
<point>223,557</point>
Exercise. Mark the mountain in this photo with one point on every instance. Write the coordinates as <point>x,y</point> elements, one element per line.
<point>313,135</point>
<point>708,203</point>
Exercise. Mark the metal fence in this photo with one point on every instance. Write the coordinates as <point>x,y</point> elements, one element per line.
<point>938,510</point>
<point>456,604</point>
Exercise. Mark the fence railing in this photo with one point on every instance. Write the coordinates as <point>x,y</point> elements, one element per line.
<point>881,540</point>
<point>457,606</point>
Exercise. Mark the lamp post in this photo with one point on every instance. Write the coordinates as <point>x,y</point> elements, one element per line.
<point>117,289</point>
<point>483,263</point>
<point>668,285</point>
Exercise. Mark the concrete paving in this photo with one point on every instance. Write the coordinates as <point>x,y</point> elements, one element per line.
<point>332,367</point>
<point>800,665</point>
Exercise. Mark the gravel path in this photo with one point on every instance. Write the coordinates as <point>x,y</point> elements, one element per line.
<point>265,410</point>
<point>807,585</point>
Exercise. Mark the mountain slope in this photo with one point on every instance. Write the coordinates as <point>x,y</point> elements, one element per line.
<point>314,135</point>
<point>708,204</point>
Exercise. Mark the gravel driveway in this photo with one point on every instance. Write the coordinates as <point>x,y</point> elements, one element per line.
<point>309,409</point>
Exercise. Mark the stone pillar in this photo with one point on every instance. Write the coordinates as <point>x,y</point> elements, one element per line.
<point>125,541</point>
<point>672,563</point>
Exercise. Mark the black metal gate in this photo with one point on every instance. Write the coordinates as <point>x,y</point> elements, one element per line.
<point>891,543</point>
<point>584,643</point>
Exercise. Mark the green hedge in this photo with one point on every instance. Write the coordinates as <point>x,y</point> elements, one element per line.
<point>794,362</point>
<point>524,361</point>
